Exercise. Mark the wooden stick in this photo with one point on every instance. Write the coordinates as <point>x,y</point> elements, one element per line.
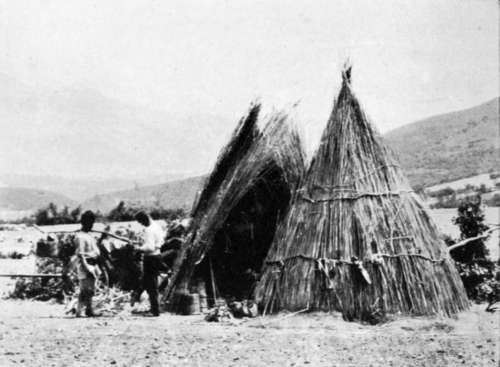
<point>468,240</point>
<point>114,236</point>
<point>124,239</point>
<point>30,275</point>
<point>212,278</point>
<point>286,316</point>
<point>47,232</point>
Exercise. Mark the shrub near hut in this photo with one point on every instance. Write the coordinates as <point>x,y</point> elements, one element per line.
<point>481,276</point>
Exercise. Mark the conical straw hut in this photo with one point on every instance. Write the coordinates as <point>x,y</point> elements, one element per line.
<point>239,208</point>
<point>357,239</point>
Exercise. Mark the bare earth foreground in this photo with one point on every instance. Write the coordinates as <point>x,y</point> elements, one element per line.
<point>38,334</point>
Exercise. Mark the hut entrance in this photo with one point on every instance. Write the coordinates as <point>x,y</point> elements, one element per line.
<point>242,244</point>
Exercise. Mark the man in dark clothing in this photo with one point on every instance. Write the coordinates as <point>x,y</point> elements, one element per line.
<point>87,254</point>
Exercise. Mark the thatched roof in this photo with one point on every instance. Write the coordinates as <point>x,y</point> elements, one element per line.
<point>249,158</point>
<point>357,239</point>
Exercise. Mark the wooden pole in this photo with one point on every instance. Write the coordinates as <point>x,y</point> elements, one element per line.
<point>212,279</point>
<point>468,240</point>
<point>114,236</point>
<point>30,275</point>
<point>124,239</point>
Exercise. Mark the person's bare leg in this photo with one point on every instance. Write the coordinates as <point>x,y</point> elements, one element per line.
<point>79,305</point>
<point>88,303</point>
<point>87,292</point>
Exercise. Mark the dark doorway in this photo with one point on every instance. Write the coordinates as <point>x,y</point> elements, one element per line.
<point>240,247</point>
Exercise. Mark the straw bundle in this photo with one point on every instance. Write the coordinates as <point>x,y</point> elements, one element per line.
<point>357,239</point>
<point>265,158</point>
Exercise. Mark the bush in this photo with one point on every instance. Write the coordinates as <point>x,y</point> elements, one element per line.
<point>38,289</point>
<point>51,215</point>
<point>123,212</point>
<point>493,201</point>
<point>43,289</point>
<point>447,191</point>
<point>450,201</point>
<point>470,221</point>
<point>12,255</point>
<point>479,274</point>
<point>479,279</point>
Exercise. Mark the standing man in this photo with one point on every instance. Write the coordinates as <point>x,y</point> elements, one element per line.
<point>87,254</point>
<point>150,244</point>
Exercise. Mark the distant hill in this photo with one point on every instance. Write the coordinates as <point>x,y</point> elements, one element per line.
<point>439,149</point>
<point>16,199</point>
<point>77,131</point>
<point>175,194</point>
<point>80,189</point>
<point>450,146</point>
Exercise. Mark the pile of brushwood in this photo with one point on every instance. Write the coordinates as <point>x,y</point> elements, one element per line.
<point>43,289</point>
<point>237,309</point>
<point>107,301</point>
<point>480,275</point>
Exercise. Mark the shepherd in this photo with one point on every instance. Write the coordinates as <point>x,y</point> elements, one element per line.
<point>87,254</point>
<point>150,244</point>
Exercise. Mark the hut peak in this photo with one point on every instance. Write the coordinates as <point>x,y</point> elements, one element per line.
<point>346,72</point>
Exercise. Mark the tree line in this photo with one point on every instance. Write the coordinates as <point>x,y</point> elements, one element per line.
<point>52,215</point>
<point>450,198</point>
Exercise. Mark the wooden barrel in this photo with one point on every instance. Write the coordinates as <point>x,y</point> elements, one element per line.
<point>192,305</point>
<point>203,304</point>
<point>46,248</point>
<point>178,302</point>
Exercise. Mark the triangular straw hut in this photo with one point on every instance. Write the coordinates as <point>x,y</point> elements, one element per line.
<point>239,208</point>
<point>357,239</point>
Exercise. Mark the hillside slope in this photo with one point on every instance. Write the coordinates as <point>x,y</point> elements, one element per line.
<point>16,198</point>
<point>79,132</point>
<point>80,189</point>
<point>175,194</point>
<point>438,149</point>
<point>450,146</point>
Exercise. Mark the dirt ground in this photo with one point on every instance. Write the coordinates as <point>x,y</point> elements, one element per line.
<point>38,334</point>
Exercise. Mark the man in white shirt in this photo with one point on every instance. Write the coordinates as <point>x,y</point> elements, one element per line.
<point>150,243</point>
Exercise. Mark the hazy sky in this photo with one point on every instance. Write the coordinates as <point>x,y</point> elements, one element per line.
<point>411,59</point>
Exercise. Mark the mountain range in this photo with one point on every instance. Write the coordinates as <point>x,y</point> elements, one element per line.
<point>23,199</point>
<point>78,132</point>
<point>438,149</point>
<point>450,146</point>
<point>175,194</point>
<point>141,146</point>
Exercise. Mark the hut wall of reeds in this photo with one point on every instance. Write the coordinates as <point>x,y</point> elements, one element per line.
<point>357,239</point>
<point>238,210</point>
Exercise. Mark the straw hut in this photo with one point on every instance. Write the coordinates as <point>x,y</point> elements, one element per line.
<point>239,208</point>
<point>357,239</point>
